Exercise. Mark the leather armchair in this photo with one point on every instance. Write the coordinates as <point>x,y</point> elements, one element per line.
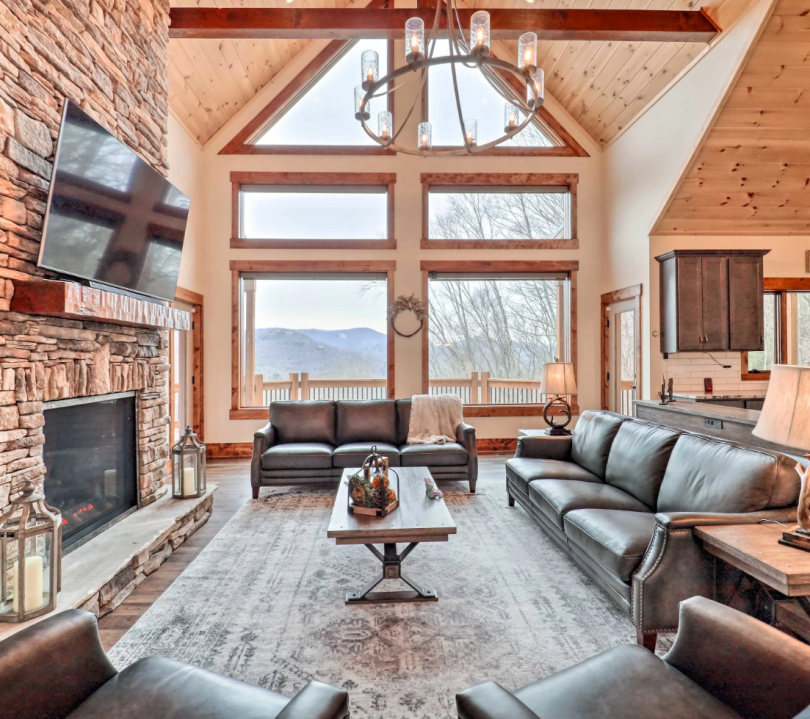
<point>723,665</point>
<point>263,439</point>
<point>57,668</point>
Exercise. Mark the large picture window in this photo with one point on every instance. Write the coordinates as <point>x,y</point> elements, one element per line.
<point>313,210</point>
<point>490,333</point>
<point>315,330</point>
<point>497,210</point>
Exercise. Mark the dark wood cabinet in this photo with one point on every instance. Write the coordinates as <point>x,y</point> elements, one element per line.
<point>711,300</point>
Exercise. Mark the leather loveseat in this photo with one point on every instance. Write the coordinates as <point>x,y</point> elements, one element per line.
<point>723,665</point>
<point>314,441</point>
<point>622,497</point>
<point>57,669</point>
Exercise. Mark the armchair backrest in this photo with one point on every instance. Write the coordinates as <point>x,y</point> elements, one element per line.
<point>752,668</point>
<point>49,668</point>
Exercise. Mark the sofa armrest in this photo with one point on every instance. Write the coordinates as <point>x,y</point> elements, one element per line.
<point>688,520</point>
<point>263,439</point>
<point>465,436</point>
<point>51,667</point>
<point>317,701</point>
<point>752,668</point>
<point>544,447</point>
<point>491,701</point>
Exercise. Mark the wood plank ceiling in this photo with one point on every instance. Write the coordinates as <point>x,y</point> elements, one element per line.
<point>752,173</point>
<point>604,85</point>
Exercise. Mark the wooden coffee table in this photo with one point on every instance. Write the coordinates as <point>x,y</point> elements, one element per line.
<point>417,519</point>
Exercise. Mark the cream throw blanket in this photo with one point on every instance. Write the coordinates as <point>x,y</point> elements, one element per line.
<point>434,419</point>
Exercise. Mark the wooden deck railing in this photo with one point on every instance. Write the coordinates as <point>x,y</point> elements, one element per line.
<point>480,388</point>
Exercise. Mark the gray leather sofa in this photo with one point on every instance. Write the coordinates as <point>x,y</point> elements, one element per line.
<point>57,669</point>
<point>315,441</point>
<point>622,496</point>
<point>723,665</point>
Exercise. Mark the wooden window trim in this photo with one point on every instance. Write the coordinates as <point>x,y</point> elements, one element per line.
<point>499,179</point>
<point>237,267</point>
<point>499,410</point>
<point>292,92</point>
<point>569,148</point>
<point>633,292</point>
<point>387,179</point>
<point>780,286</point>
<point>196,300</point>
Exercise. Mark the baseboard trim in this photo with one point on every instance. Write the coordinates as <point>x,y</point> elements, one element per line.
<point>242,450</point>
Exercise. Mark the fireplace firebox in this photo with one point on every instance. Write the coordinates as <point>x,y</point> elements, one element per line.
<point>90,458</point>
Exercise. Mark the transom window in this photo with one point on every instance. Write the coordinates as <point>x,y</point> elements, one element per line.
<point>499,210</point>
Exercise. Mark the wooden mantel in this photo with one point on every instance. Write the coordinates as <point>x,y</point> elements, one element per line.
<point>73,301</point>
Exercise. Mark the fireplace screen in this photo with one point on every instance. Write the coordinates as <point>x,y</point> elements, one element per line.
<point>91,466</point>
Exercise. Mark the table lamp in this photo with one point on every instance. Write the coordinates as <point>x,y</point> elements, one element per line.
<point>558,379</point>
<point>785,419</point>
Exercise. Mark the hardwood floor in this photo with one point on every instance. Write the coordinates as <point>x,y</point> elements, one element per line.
<point>232,476</point>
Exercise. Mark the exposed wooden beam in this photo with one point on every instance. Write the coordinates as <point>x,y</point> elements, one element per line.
<point>507,24</point>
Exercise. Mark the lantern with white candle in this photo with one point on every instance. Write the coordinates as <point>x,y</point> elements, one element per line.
<point>188,466</point>
<point>30,556</point>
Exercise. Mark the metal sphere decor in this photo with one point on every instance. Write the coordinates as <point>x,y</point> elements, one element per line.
<point>473,54</point>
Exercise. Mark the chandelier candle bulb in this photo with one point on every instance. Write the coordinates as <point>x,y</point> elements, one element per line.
<point>510,117</point>
<point>385,121</point>
<point>414,40</point>
<point>527,53</point>
<point>479,33</point>
<point>361,112</point>
<point>370,64</point>
<point>425,136</point>
<point>539,82</point>
<point>471,132</point>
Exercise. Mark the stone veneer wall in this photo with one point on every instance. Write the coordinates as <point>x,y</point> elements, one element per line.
<point>110,58</point>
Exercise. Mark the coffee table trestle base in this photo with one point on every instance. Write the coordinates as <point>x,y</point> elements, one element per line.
<point>392,569</point>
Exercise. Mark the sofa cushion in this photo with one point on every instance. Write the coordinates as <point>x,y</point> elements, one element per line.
<point>625,682</point>
<point>310,421</point>
<point>159,687</point>
<point>556,497</point>
<point>451,454</point>
<point>617,539</point>
<point>373,420</point>
<point>707,475</point>
<point>638,459</point>
<point>592,438</point>
<point>403,419</point>
<point>524,471</point>
<point>300,455</point>
<point>354,454</point>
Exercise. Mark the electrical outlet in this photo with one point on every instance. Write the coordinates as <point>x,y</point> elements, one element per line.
<point>715,423</point>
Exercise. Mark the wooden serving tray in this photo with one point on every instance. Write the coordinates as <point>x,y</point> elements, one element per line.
<point>372,511</point>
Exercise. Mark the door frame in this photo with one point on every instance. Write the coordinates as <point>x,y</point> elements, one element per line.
<point>195,299</point>
<point>633,292</point>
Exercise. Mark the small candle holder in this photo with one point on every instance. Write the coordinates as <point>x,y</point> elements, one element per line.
<point>539,83</point>
<point>385,125</point>
<point>527,53</point>
<point>480,34</point>
<point>370,66</point>
<point>424,137</point>
<point>361,111</point>
<point>511,117</point>
<point>414,40</point>
<point>471,132</point>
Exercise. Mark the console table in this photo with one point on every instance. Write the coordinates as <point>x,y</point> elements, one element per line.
<point>754,549</point>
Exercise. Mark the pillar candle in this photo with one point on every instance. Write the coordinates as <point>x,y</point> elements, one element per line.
<point>34,597</point>
<point>188,481</point>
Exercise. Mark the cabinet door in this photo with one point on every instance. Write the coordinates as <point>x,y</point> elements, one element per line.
<point>714,273</point>
<point>746,312</point>
<point>690,304</point>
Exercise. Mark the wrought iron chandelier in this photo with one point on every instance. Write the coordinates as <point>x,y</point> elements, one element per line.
<point>475,54</point>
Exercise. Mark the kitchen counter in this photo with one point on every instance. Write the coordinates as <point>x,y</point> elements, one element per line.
<point>730,423</point>
<point>709,397</point>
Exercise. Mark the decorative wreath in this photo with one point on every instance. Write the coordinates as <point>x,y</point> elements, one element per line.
<point>407,304</point>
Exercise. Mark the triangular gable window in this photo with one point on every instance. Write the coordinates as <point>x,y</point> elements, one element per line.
<point>323,114</point>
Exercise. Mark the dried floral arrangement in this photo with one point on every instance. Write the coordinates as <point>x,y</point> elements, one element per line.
<point>407,304</point>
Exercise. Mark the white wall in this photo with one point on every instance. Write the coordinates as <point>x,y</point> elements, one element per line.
<point>186,174</point>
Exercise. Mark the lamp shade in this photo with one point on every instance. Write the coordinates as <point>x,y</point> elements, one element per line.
<point>785,417</point>
<point>558,378</point>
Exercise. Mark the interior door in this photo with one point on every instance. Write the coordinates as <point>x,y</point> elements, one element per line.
<point>180,396</point>
<point>622,360</point>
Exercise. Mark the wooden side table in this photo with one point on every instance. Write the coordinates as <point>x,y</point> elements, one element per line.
<point>754,549</point>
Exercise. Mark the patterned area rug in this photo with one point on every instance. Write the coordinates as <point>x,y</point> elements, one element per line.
<point>264,603</point>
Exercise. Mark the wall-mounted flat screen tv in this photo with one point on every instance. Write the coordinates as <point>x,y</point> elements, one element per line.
<point>111,217</point>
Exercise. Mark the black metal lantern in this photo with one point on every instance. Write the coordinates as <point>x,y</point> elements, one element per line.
<point>30,557</point>
<point>188,466</point>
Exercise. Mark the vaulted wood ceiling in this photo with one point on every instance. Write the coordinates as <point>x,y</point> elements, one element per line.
<point>752,173</point>
<point>604,85</point>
